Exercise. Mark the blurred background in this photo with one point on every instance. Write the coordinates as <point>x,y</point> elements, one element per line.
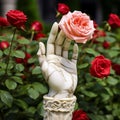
<point>45,10</point>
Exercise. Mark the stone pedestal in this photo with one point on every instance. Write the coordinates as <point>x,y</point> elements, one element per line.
<point>58,109</point>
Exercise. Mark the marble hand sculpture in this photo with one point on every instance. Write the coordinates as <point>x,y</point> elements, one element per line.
<point>60,73</point>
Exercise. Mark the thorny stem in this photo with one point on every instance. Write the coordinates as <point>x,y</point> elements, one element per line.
<point>32,35</point>
<point>10,50</point>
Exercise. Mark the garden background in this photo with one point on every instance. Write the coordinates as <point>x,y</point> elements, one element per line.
<point>23,87</point>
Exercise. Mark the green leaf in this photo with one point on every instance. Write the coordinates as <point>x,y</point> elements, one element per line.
<point>2,65</point>
<point>83,66</point>
<point>33,93</point>
<point>109,90</point>
<point>6,98</point>
<point>22,104</point>
<point>1,53</point>
<point>10,66</point>
<point>105,97</point>
<point>17,79</point>
<point>6,51</point>
<point>18,54</point>
<point>111,80</point>
<point>113,53</point>
<point>10,84</point>
<point>36,70</point>
<point>89,93</point>
<point>31,110</point>
<point>2,72</point>
<point>100,39</point>
<point>91,51</point>
<point>19,67</point>
<point>32,60</point>
<point>23,41</point>
<point>40,87</point>
<point>23,90</point>
<point>110,39</point>
<point>40,109</point>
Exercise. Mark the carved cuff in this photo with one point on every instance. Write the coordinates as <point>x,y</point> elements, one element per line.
<point>62,105</point>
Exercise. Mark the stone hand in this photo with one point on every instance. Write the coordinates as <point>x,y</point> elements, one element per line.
<point>59,72</point>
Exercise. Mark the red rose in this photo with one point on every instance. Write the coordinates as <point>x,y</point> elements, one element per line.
<point>100,67</point>
<point>114,21</point>
<point>23,60</point>
<point>79,115</point>
<point>116,68</point>
<point>36,26</point>
<point>4,22</point>
<point>19,60</point>
<point>27,57</point>
<point>63,8</point>
<point>16,18</point>
<point>4,45</point>
<point>106,44</point>
<point>38,36</point>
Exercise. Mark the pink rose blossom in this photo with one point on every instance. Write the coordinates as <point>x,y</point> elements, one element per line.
<point>77,26</point>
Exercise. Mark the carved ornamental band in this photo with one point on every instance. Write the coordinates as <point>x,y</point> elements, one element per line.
<point>62,105</point>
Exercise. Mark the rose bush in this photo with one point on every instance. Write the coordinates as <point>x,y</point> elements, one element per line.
<point>22,85</point>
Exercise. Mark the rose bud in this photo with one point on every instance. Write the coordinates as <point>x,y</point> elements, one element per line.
<point>37,36</point>
<point>106,44</point>
<point>95,24</point>
<point>16,18</point>
<point>63,8</point>
<point>27,57</point>
<point>100,67</point>
<point>4,45</point>
<point>19,60</point>
<point>114,20</point>
<point>36,26</point>
<point>23,60</point>
<point>116,68</point>
<point>4,22</point>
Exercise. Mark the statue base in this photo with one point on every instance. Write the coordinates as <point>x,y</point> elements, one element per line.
<point>58,109</point>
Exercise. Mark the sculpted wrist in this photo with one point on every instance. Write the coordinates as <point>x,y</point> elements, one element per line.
<point>59,109</point>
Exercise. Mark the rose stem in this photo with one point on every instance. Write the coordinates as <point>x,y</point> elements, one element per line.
<point>10,50</point>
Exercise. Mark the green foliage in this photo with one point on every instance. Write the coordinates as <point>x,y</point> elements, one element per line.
<point>22,85</point>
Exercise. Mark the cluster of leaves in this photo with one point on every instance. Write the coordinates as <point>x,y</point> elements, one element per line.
<point>21,82</point>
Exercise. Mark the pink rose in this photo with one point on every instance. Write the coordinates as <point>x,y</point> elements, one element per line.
<point>77,26</point>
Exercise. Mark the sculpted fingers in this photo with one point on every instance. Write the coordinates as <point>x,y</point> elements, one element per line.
<point>59,42</point>
<point>41,52</point>
<point>75,53</point>
<point>66,47</point>
<point>52,38</point>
